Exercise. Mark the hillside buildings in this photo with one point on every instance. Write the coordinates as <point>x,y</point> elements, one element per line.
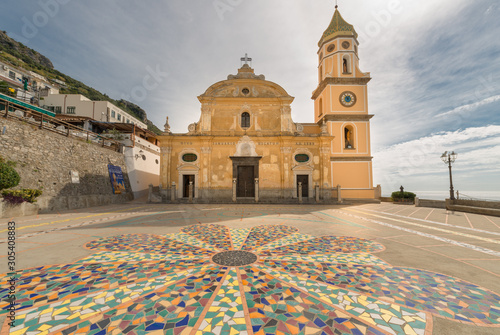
<point>77,105</point>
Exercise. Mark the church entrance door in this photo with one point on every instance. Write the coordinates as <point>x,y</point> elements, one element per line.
<point>304,179</point>
<point>186,179</point>
<point>245,186</point>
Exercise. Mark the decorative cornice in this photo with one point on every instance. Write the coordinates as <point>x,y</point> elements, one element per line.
<point>351,159</point>
<point>346,117</point>
<point>339,81</point>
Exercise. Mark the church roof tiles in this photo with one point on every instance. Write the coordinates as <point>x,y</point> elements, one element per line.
<point>338,26</point>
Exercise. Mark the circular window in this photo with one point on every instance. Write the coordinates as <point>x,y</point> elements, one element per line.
<point>189,158</point>
<point>245,91</point>
<point>346,45</point>
<point>302,158</point>
<point>331,47</point>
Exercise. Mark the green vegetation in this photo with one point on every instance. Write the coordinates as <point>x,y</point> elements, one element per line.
<point>18,196</point>
<point>401,196</point>
<point>8,176</point>
<point>153,128</point>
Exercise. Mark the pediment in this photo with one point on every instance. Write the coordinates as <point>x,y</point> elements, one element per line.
<point>245,89</point>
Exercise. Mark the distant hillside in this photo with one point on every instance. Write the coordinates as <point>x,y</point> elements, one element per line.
<point>22,52</point>
<point>19,55</point>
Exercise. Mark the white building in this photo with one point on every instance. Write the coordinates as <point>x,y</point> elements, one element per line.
<point>79,105</point>
<point>38,85</point>
<point>142,159</point>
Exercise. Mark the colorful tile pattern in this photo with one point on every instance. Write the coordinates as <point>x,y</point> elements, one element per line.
<point>275,307</point>
<point>188,239</point>
<point>225,314</point>
<point>285,241</point>
<point>238,237</point>
<point>212,234</point>
<point>354,258</point>
<point>389,317</point>
<point>327,244</point>
<point>139,284</point>
<point>262,235</point>
<point>422,290</point>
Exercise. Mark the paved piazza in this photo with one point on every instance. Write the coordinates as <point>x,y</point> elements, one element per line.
<point>254,269</point>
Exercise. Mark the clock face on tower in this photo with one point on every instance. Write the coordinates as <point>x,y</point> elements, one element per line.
<point>347,99</point>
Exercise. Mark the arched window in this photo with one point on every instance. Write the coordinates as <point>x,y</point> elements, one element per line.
<point>245,120</point>
<point>348,137</point>
<point>320,109</point>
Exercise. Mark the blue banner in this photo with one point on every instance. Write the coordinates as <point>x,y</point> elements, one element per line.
<point>116,177</point>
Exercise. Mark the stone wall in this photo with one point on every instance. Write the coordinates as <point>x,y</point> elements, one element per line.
<point>474,206</point>
<point>430,203</point>
<point>44,160</point>
<point>477,203</point>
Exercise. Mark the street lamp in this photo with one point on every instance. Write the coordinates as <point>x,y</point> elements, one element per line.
<point>449,158</point>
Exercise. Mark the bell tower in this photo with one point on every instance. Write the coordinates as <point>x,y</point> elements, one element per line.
<point>341,102</point>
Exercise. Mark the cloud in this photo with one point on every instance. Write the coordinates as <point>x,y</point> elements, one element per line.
<point>417,164</point>
<point>471,107</point>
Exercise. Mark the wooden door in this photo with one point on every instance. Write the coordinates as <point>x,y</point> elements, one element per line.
<point>245,186</point>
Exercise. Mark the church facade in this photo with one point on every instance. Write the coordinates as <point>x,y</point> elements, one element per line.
<point>246,145</point>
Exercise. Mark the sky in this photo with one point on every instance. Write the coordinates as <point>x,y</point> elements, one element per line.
<point>435,68</point>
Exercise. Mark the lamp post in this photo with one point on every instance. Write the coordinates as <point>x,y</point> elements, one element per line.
<point>449,158</point>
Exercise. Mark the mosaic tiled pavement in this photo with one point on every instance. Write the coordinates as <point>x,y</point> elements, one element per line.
<point>299,284</point>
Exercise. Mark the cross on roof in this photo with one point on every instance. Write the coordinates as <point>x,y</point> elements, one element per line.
<point>246,59</point>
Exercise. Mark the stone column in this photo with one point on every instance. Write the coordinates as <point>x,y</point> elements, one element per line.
<point>173,192</point>
<point>191,188</point>
<point>316,192</point>
<point>256,189</point>
<point>234,189</point>
<point>299,190</point>
<point>339,196</point>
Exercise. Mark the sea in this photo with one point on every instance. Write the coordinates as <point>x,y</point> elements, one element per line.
<point>441,195</point>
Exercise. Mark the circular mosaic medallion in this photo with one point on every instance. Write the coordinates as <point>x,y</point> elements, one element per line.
<point>346,45</point>
<point>234,258</point>
<point>331,47</point>
<point>212,279</point>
